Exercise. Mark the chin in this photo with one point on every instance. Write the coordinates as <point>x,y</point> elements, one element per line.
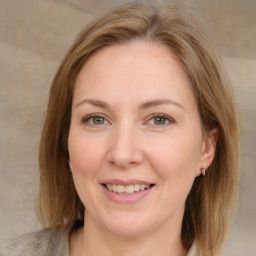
<point>128,231</point>
<point>128,226</point>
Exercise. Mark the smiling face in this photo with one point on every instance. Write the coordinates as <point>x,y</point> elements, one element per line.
<point>135,140</point>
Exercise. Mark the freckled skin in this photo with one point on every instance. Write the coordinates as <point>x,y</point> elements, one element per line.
<point>129,144</point>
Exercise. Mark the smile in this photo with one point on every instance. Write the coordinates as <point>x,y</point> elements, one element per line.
<point>129,189</point>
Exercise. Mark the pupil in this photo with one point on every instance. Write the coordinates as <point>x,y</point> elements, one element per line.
<point>159,120</point>
<point>98,120</point>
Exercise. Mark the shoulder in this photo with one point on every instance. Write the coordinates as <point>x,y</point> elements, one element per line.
<point>193,251</point>
<point>46,242</point>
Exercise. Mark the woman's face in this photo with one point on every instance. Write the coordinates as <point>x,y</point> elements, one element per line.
<point>135,140</point>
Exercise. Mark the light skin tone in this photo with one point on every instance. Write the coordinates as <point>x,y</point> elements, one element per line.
<point>135,117</point>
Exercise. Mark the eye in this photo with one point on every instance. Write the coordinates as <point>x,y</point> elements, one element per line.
<point>95,120</point>
<point>160,120</point>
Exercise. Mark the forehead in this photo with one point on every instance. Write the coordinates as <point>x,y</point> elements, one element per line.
<point>149,69</point>
<point>137,53</point>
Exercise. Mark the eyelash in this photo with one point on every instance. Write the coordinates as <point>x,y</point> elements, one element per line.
<point>91,116</point>
<point>163,116</point>
<point>151,117</point>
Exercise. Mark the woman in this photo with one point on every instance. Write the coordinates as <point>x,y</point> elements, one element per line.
<point>139,149</point>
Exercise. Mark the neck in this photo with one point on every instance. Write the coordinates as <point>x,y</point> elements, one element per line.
<point>93,240</point>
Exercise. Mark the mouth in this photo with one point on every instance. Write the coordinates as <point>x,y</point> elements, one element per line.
<point>127,189</point>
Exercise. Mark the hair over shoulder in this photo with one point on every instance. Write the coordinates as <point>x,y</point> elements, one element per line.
<point>212,200</point>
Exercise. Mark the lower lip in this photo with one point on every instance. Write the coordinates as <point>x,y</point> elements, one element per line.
<point>126,198</point>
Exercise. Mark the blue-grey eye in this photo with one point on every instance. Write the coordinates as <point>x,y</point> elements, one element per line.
<point>160,120</point>
<point>98,120</point>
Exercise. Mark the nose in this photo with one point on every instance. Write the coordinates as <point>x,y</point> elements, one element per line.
<point>124,149</point>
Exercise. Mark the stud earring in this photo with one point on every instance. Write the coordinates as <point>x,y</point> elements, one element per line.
<point>70,167</point>
<point>203,171</point>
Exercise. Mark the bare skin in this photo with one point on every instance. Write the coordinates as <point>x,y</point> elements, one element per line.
<point>135,120</point>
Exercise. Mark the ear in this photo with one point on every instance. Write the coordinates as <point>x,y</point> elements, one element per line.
<point>70,166</point>
<point>208,150</point>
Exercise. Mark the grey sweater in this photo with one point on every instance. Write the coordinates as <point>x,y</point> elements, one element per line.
<point>48,242</point>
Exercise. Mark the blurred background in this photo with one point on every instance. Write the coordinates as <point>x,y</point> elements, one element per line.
<point>34,36</point>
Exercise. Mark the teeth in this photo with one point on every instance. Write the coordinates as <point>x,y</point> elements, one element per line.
<point>128,189</point>
<point>120,189</point>
<point>136,187</point>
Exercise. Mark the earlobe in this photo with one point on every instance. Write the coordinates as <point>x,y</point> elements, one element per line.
<point>208,149</point>
<point>70,166</point>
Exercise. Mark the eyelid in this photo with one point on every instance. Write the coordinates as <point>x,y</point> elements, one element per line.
<point>87,117</point>
<point>167,117</point>
<point>150,117</point>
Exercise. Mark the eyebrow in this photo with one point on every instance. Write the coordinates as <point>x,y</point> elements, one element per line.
<point>94,102</point>
<point>157,102</point>
<point>145,105</point>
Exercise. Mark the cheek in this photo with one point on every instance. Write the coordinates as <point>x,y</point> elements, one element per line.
<point>175,166</point>
<point>86,158</point>
<point>175,160</point>
<point>85,153</point>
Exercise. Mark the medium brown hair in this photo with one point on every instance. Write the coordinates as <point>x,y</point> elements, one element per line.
<point>213,197</point>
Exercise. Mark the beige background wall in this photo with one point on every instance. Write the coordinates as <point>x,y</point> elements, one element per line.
<point>34,36</point>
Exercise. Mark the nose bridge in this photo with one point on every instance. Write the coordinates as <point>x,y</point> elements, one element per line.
<point>124,149</point>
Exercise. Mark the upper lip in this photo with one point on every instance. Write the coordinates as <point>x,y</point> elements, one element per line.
<point>125,182</point>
